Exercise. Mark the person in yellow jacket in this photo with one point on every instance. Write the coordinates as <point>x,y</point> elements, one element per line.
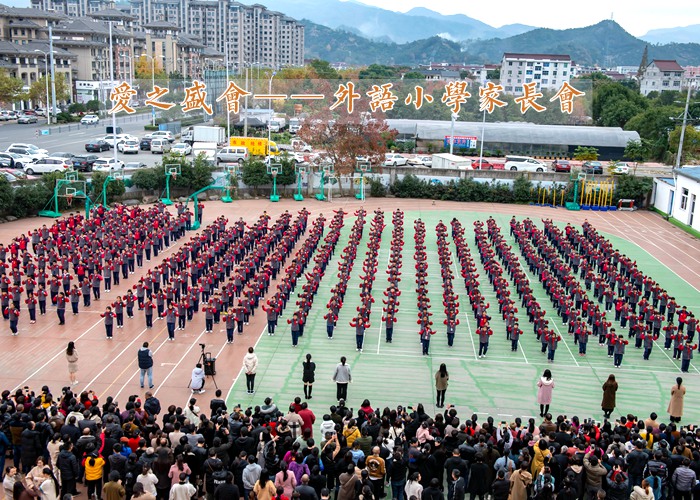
<point>94,466</point>
<point>351,432</point>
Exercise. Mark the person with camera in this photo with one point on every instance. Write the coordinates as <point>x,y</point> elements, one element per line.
<point>197,380</point>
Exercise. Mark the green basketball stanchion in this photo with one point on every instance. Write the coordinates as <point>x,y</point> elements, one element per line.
<point>171,170</point>
<point>233,172</point>
<point>326,173</point>
<point>300,171</point>
<point>363,167</point>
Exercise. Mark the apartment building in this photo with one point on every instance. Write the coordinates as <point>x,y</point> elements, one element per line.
<point>548,71</point>
<point>661,75</point>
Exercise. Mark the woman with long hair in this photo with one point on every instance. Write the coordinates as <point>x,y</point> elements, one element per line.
<point>178,467</point>
<point>675,405</point>
<point>308,376</point>
<point>643,492</point>
<point>609,390</point>
<point>94,469</point>
<point>413,486</point>
<point>49,487</point>
<point>264,489</point>
<point>285,479</point>
<point>441,378</point>
<point>72,358</point>
<point>545,386</point>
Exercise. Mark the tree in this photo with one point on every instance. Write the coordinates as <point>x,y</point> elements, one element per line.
<point>323,70</point>
<point>493,74</point>
<point>691,142</point>
<point>614,104</point>
<point>585,153</point>
<point>10,88</point>
<point>378,72</point>
<point>37,91</point>
<point>346,138</point>
<point>254,174</point>
<point>637,151</point>
<point>631,187</point>
<point>144,68</point>
<point>93,105</point>
<point>643,64</point>
<point>114,189</point>
<point>414,75</point>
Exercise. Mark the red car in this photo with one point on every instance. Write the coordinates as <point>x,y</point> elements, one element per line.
<point>487,165</point>
<point>561,165</point>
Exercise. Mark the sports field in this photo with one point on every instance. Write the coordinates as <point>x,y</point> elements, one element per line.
<point>387,374</point>
<point>501,384</point>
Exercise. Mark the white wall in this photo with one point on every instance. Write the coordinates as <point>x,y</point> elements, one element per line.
<point>684,214</point>
<point>662,195</point>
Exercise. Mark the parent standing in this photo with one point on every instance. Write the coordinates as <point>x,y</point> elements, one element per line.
<point>250,363</point>
<point>545,387</point>
<point>72,358</point>
<point>342,377</point>
<point>675,406</point>
<point>609,391</point>
<point>441,379</point>
<point>308,376</point>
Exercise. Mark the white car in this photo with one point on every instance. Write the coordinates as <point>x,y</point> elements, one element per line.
<point>116,139</point>
<point>90,120</point>
<point>35,149</point>
<point>421,161</point>
<point>20,160</point>
<point>181,148</point>
<point>47,165</point>
<point>107,165</point>
<point>129,146</point>
<point>524,164</point>
<point>394,159</point>
<point>620,168</point>
<point>162,134</point>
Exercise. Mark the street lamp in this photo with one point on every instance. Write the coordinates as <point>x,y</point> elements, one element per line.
<point>153,82</point>
<point>46,78</point>
<point>685,122</point>
<point>269,105</point>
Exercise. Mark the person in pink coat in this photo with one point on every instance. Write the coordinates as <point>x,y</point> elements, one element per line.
<point>545,386</point>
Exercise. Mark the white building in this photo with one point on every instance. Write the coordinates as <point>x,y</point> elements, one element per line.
<point>677,197</point>
<point>661,75</point>
<point>549,71</point>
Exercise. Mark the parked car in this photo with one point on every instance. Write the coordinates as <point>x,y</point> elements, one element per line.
<point>8,176</point>
<point>394,159</point>
<point>107,165</point>
<point>233,154</point>
<point>63,154</point>
<point>421,161</point>
<point>619,168</point>
<point>592,167</point>
<point>96,146</point>
<point>40,111</point>
<point>162,134</point>
<point>130,146</point>
<point>487,165</point>
<point>160,146</point>
<point>29,153</point>
<point>4,116</point>
<point>26,145</point>
<point>524,164</point>
<point>116,139</point>
<point>83,163</point>
<point>561,165</point>
<point>47,165</point>
<point>16,172</point>
<point>182,148</point>
<point>133,165</point>
<point>30,112</point>
<point>145,144</point>
<point>90,120</point>
<point>27,119</point>
<point>16,160</point>
<point>6,161</point>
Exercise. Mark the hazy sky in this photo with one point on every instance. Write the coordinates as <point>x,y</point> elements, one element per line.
<point>637,17</point>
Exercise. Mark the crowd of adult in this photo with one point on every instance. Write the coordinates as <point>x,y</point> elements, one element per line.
<point>141,450</point>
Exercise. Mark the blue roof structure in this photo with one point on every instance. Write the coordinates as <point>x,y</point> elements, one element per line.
<point>691,172</point>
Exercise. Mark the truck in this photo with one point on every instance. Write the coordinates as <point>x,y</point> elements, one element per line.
<point>294,125</point>
<point>297,145</point>
<point>209,150</point>
<point>200,133</point>
<point>446,160</point>
<point>257,146</point>
<point>277,123</point>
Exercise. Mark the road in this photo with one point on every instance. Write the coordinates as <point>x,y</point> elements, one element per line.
<point>71,138</point>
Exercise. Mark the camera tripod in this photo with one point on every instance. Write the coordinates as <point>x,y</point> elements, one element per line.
<point>209,364</point>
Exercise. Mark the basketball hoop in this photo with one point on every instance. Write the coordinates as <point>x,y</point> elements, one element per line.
<point>274,173</point>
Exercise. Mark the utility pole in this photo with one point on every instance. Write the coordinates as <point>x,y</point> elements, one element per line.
<point>53,76</point>
<point>685,123</point>
<point>111,76</point>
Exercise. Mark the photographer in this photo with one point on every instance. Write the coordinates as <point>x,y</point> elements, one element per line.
<point>198,378</point>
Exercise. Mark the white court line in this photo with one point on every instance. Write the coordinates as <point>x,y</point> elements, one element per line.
<point>138,371</point>
<point>178,362</point>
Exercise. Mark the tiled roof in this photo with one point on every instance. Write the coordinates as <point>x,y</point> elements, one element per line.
<point>667,65</point>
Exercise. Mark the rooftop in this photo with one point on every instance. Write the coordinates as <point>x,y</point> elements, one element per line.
<point>690,172</point>
<point>551,57</point>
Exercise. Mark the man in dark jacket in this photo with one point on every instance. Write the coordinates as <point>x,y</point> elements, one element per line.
<point>31,447</point>
<point>70,470</point>
<point>636,461</point>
